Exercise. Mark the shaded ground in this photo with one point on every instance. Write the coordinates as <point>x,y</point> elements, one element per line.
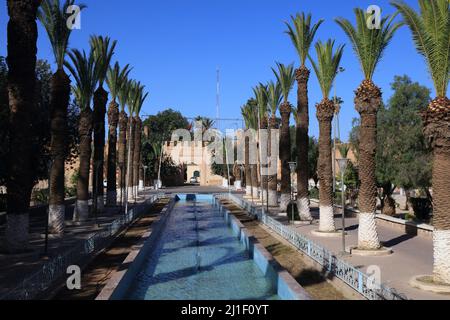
<point>313,281</point>
<point>99,271</point>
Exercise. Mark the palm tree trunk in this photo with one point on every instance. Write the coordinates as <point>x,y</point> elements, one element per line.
<point>22,37</point>
<point>367,102</point>
<point>273,155</point>
<point>302,139</point>
<point>137,153</point>
<point>436,120</point>
<point>60,95</point>
<point>100,101</point>
<point>263,162</point>
<point>113,119</point>
<point>130,139</point>
<point>248,171</point>
<point>285,156</point>
<point>325,112</point>
<point>122,157</point>
<point>85,133</point>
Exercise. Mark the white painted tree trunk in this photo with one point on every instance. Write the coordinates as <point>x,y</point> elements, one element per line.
<point>367,232</point>
<point>441,242</point>
<point>81,212</point>
<point>326,222</point>
<point>141,185</point>
<point>284,202</point>
<point>130,193</point>
<point>273,198</point>
<point>225,183</point>
<point>238,184</point>
<point>17,232</point>
<point>255,193</point>
<point>304,210</point>
<point>248,190</point>
<point>56,217</point>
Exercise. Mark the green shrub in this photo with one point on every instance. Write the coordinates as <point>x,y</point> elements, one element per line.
<point>41,196</point>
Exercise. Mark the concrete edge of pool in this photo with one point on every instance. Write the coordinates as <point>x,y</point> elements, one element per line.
<point>286,287</point>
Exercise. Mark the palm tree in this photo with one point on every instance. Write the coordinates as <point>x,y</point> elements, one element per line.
<point>250,114</point>
<point>84,71</point>
<point>22,37</point>
<point>302,34</point>
<point>431,34</point>
<point>369,45</point>
<point>103,51</point>
<point>261,96</point>
<point>326,69</point>
<point>286,77</point>
<point>274,97</point>
<point>53,17</point>
<point>139,102</point>
<point>116,79</point>
<point>123,96</point>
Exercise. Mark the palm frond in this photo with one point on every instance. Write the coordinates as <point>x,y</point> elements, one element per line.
<point>369,44</point>
<point>103,50</point>
<point>116,77</point>
<point>328,61</point>
<point>302,34</point>
<point>83,70</point>
<point>431,34</point>
<point>274,95</point>
<point>250,114</point>
<point>286,77</point>
<point>261,97</point>
<point>124,93</point>
<point>54,17</point>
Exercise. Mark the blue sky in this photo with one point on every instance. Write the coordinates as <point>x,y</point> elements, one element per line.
<point>175,47</point>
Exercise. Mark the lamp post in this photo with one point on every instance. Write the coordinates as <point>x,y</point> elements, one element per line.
<point>336,128</point>
<point>343,163</point>
<point>292,167</point>
<point>145,171</point>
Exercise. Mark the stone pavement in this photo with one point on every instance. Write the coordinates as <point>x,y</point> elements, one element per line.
<point>413,255</point>
<point>15,268</point>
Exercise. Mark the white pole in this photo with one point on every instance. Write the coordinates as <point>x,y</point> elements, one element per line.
<point>159,167</point>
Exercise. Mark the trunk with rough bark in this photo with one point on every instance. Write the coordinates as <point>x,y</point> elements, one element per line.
<point>122,154</point>
<point>437,129</point>
<point>387,202</point>
<point>85,133</point>
<point>60,95</point>
<point>113,119</point>
<point>325,113</point>
<point>22,36</point>
<point>285,156</point>
<point>302,140</point>
<point>263,163</point>
<point>137,153</point>
<point>100,101</point>
<point>368,102</point>
<point>248,171</point>
<point>131,131</point>
<point>273,174</point>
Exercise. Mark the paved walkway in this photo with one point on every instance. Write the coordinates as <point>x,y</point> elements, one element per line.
<point>413,255</point>
<point>15,268</point>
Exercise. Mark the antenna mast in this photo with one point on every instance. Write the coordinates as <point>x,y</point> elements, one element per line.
<point>218,100</point>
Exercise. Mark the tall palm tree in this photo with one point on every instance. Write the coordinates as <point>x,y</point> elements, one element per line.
<point>250,114</point>
<point>53,17</point>
<point>22,36</point>
<point>84,71</point>
<point>139,102</point>
<point>369,46</point>
<point>286,77</point>
<point>274,98</point>
<point>262,102</point>
<point>103,51</point>
<point>123,96</point>
<point>431,34</point>
<point>302,33</point>
<point>326,69</point>
<point>116,79</point>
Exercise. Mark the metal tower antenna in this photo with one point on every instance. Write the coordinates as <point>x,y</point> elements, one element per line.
<point>218,100</point>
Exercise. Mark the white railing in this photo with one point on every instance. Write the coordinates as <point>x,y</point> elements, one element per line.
<point>36,284</point>
<point>356,279</point>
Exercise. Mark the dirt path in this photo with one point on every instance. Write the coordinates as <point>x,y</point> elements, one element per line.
<point>313,281</point>
<point>98,272</point>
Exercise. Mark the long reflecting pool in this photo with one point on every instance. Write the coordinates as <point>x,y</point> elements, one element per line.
<point>199,258</point>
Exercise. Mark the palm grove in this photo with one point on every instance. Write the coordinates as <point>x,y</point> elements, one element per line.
<point>430,29</point>
<point>83,87</point>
